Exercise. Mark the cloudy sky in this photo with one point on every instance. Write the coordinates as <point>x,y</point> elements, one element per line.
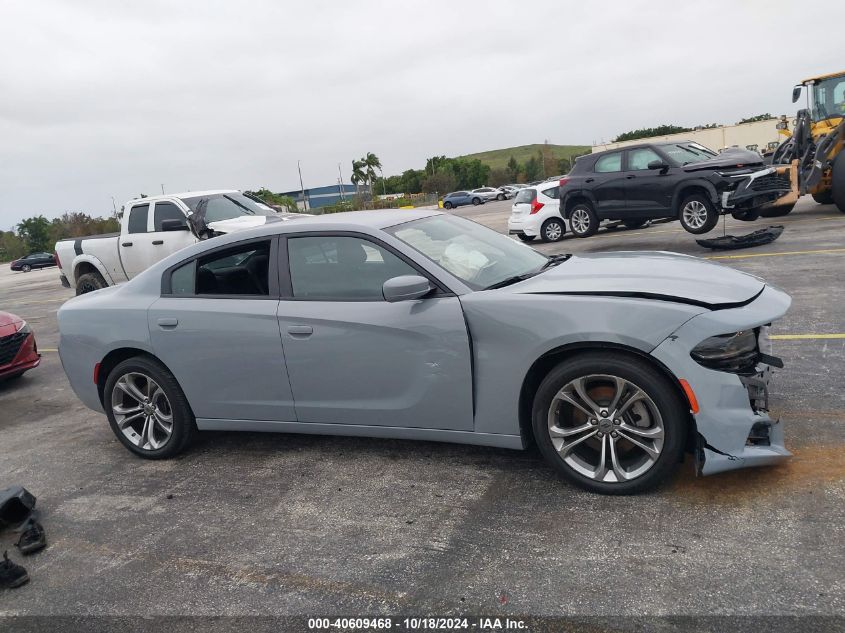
<point>107,98</point>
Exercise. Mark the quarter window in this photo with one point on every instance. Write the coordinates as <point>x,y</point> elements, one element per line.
<point>138,218</point>
<point>609,163</point>
<point>341,268</point>
<point>552,193</point>
<point>166,211</point>
<point>638,159</point>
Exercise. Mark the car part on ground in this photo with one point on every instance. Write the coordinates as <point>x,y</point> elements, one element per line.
<point>18,349</point>
<point>16,506</point>
<point>32,539</point>
<point>12,575</point>
<point>755,238</point>
<point>475,325</point>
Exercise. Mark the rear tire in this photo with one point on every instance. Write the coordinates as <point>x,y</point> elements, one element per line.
<point>697,214</point>
<point>89,282</point>
<point>501,196</point>
<point>447,205</point>
<point>776,212</point>
<point>161,388</point>
<point>824,197</point>
<point>552,230</point>
<point>837,188</point>
<point>658,421</point>
<point>526,238</point>
<point>583,221</point>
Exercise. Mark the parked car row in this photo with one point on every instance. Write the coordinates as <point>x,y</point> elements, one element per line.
<point>480,195</point>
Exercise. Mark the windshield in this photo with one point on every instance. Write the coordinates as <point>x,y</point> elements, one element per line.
<point>686,153</point>
<point>829,98</point>
<point>225,206</point>
<point>478,256</point>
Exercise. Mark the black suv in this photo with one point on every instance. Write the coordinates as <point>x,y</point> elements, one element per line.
<point>677,180</point>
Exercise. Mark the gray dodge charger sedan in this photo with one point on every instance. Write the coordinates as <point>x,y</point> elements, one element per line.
<point>420,325</point>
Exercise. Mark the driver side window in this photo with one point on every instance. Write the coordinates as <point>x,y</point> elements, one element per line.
<point>341,268</point>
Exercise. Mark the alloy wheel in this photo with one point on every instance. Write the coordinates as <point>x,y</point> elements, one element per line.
<point>580,221</point>
<point>26,268</point>
<point>695,214</point>
<point>606,428</point>
<point>142,411</point>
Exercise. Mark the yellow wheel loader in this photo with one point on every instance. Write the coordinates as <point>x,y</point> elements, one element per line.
<point>810,156</point>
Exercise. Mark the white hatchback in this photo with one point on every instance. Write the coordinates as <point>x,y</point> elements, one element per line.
<point>536,213</point>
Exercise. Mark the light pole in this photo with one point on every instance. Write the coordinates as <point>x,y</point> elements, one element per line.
<point>302,187</point>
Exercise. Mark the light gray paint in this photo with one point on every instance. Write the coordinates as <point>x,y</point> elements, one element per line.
<point>440,368</point>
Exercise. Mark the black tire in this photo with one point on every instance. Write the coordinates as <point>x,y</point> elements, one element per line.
<point>501,196</point>
<point>824,197</point>
<point>583,221</point>
<point>183,423</point>
<point>552,230</point>
<point>89,282</point>
<point>476,201</point>
<point>697,208</point>
<point>776,212</point>
<point>663,396</point>
<point>837,189</point>
<point>447,205</point>
<point>525,238</point>
<point>26,268</point>
<point>634,224</point>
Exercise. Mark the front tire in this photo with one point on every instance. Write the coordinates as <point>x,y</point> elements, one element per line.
<point>26,268</point>
<point>89,282</point>
<point>698,215</point>
<point>583,221</point>
<point>501,196</point>
<point>552,230</point>
<point>447,205</point>
<point>610,423</point>
<point>147,410</point>
<point>476,202</point>
<point>824,197</point>
<point>837,189</point>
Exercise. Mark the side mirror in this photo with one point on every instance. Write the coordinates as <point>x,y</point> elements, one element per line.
<point>174,225</point>
<point>796,93</point>
<point>658,164</point>
<point>406,288</point>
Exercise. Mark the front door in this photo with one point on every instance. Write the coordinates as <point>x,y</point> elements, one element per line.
<point>648,192</point>
<point>354,358</point>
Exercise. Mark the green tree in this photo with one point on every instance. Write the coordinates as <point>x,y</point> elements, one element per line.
<point>11,246</point>
<point>754,119</point>
<point>646,132</point>
<point>513,169</point>
<point>359,175</point>
<point>563,165</point>
<point>499,177</point>
<point>276,200</point>
<point>371,163</point>
<point>533,169</point>
<point>35,232</point>
<point>441,182</point>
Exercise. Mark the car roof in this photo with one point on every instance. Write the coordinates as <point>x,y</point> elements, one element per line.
<point>184,194</point>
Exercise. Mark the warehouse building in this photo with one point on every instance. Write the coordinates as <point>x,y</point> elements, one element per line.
<point>317,197</point>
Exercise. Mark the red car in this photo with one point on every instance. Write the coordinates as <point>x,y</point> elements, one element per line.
<point>18,351</point>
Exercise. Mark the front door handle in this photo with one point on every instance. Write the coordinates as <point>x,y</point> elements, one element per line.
<point>127,244</point>
<point>301,330</point>
<point>630,177</point>
<point>168,322</point>
<point>158,242</point>
<point>589,180</point>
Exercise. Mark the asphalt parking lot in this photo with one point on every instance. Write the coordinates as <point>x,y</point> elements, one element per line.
<point>292,524</point>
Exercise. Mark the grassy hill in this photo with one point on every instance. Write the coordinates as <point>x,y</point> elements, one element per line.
<point>498,158</point>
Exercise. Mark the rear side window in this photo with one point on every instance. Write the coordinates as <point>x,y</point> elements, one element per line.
<point>552,193</point>
<point>242,270</point>
<point>166,211</point>
<point>609,163</point>
<point>525,196</point>
<point>138,218</point>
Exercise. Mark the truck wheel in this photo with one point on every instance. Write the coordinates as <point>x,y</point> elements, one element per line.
<point>89,282</point>
<point>776,212</point>
<point>583,220</point>
<point>697,214</point>
<point>837,189</point>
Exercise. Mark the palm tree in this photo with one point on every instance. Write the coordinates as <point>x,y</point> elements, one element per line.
<point>371,163</point>
<point>359,176</point>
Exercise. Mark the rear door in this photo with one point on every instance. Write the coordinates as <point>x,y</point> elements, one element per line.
<point>215,328</point>
<point>607,184</point>
<point>648,192</point>
<point>356,359</point>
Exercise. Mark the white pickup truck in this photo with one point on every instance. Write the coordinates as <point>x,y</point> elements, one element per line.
<point>151,229</point>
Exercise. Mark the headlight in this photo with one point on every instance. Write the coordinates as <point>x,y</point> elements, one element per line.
<point>23,327</point>
<point>736,353</point>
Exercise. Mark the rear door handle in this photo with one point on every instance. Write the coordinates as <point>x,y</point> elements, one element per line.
<point>589,180</point>
<point>300,330</point>
<point>168,322</point>
<point>127,244</point>
<point>158,242</point>
<point>627,177</point>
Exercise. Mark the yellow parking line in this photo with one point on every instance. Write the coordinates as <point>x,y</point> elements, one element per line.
<point>795,337</point>
<point>47,349</point>
<point>822,250</point>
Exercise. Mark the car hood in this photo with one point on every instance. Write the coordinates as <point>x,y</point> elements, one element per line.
<point>730,158</point>
<point>8,323</point>
<point>648,275</point>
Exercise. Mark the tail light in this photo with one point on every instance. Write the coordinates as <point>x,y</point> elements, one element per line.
<point>58,261</point>
<point>563,181</point>
<point>535,206</point>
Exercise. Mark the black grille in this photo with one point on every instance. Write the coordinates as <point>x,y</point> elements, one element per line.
<point>772,182</point>
<point>9,346</point>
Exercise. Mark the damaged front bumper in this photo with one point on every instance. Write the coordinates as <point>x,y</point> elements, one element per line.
<point>755,189</point>
<point>733,423</point>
